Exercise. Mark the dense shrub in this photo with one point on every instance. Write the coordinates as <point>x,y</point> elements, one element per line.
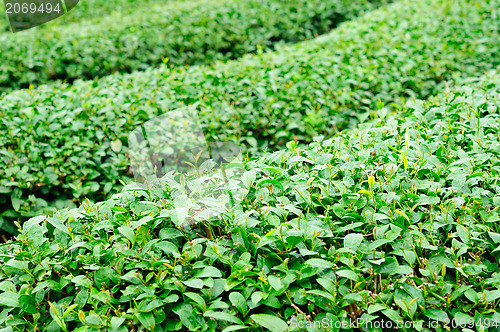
<point>397,220</point>
<point>185,32</point>
<point>62,143</point>
<point>88,10</point>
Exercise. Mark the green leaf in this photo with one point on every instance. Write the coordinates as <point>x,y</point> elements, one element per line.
<point>82,281</point>
<point>196,298</point>
<point>256,297</point>
<point>327,284</point>
<point>352,241</point>
<point>15,267</point>
<point>375,307</point>
<point>494,236</point>
<point>116,322</point>
<point>319,263</point>
<point>272,323</point>
<point>105,275</point>
<point>239,302</point>
<point>371,180</point>
<point>188,319</point>
<point>194,283</point>
<point>275,282</point>
<point>348,274</point>
<point>28,304</point>
<point>492,295</point>
<point>9,299</point>
<point>437,314</point>
<point>116,145</point>
<point>207,272</point>
<point>248,178</point>
<point>167,247</point>
<point>388,266</point>
<point>270,181</point>
<point>149,305</point>
<point>146,319</point>
<point>57,224</point>
<point>16,198</point>
<point>377,243</point>
<point>463,233</point>
<point>128,233</point>
<point>223,316</point>
<point>462,319</point>
<point>321,293</point>
<point>235,328</point>
<point>170,233</point>
<point>392,315</point>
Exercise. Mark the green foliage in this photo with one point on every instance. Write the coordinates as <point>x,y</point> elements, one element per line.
<point>182,32</point>
<point>395,220</point>
<point>88,10</point>
<point>61,143</point>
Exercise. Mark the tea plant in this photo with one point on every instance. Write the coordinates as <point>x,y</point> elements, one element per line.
<point>65,142</point>
<point>182,32</point>
<point>396,220</point>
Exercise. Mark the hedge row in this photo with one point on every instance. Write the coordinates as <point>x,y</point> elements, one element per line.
<point>62,143</point>
<point>88,10</point>
<point>395,221</point>
<point>185,32</point>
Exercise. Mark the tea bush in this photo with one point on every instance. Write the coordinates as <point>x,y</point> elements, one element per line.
<point>185,32</point>
<point>397,220</point>
<point>66,142</point>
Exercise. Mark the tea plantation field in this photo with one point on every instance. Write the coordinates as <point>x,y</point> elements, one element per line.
<point>178,32</point>
<point>367,197</point>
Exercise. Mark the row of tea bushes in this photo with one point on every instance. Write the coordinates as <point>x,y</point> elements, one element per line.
<point>184,32</point>
<point>65,142</point>
<point>397,221</point>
